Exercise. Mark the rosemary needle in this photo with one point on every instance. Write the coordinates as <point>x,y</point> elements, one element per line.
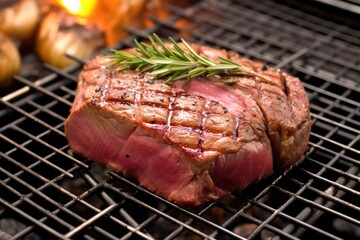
<point>175,63</point>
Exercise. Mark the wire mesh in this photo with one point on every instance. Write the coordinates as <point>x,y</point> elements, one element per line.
<point>48,192</point>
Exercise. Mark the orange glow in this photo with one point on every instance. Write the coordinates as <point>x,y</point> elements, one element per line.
<point>81,8</point>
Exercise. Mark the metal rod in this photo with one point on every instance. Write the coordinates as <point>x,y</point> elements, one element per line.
<point>104,212</point>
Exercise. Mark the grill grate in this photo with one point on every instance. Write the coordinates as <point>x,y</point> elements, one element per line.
<point>47,192</point>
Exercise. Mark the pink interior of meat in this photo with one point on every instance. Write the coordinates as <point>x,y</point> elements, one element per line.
<point>218,93</point>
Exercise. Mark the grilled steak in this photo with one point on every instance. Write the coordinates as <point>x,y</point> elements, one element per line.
<point>190,144</point>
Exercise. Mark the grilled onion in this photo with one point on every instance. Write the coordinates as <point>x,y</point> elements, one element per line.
<point>20,20</point>
<point>9,60</point>
<point>60,34</point>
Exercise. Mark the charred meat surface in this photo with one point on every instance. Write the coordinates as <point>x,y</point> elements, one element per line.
<point>190,144</point>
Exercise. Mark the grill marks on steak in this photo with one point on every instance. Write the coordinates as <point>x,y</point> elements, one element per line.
<point>193,122</point>
<point>188,145</point>
<point>199,126</point>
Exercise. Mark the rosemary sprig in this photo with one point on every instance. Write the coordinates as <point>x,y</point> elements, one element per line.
<point>175,63</point>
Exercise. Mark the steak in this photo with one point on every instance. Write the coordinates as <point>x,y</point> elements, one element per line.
<point>195,142</point>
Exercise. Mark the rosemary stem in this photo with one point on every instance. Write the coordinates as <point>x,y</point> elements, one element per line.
<point>176,63</point>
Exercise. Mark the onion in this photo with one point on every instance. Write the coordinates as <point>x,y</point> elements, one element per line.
<point>20,20</point>
<point>9,60</point>
<point>60,34</point>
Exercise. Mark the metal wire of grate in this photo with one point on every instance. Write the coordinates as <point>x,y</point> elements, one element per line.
<point>47,192</point>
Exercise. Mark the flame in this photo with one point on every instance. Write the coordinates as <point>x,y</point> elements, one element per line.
<point>80,8</point>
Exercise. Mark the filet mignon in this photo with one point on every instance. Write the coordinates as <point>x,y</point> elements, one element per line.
<point>190,144</point>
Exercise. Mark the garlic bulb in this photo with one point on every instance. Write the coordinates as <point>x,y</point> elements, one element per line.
<point>20,20</point>
<point>60,34</point>
<point>9,60</point>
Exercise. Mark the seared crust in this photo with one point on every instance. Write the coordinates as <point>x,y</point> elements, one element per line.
<point>202,128</point>
<point>199,124</point>
<point>286,108</point>
<point>190,144</point>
